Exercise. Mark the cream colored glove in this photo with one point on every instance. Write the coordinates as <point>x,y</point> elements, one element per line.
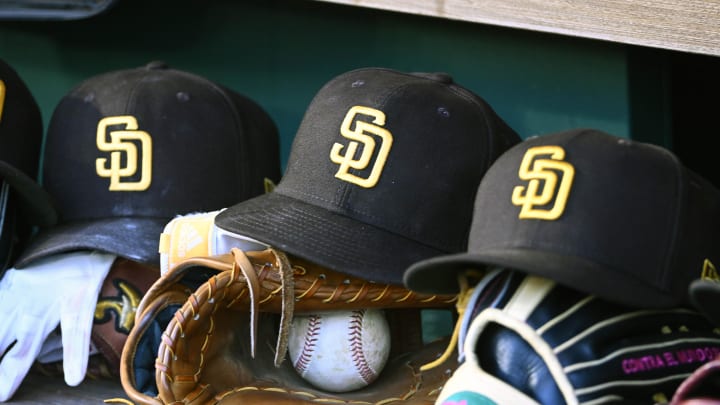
<point>195,235</point>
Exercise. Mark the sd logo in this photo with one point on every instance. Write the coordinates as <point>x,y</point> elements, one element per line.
<point>362,134</point>
<point>121,143</point>
<point>540,167</point>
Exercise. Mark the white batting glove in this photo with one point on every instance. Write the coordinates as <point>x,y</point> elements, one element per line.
<point>195,235</point>
<point>59,290</point>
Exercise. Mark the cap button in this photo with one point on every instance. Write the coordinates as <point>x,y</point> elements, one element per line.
<point>436,76</point>
<point>156,65</point>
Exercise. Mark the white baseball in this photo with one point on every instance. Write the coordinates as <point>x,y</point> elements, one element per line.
<point>340,351</point>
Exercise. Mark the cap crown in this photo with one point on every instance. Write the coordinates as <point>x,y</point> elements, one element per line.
<point>128,150</point>
<point>621,219</point>
<point>382,172</point>
<point>401,152</point>
<point>155,142</point>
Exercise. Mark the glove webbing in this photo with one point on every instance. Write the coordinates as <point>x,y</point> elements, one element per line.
<point>256,279</point>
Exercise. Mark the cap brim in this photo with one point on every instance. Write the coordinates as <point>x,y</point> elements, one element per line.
<point>132,238</point>
<point>36,205</point>
<point>439,275</point>
<point>54,10</point>
<point>324,237</point>
<point>705,296</point>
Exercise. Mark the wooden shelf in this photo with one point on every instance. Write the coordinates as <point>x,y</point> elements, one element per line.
<point>683,25</point>
<point>41,389</point>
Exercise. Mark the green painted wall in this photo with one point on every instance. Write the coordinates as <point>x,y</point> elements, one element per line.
<point>280,52</point>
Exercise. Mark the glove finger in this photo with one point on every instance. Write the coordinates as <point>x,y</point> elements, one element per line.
<point>75,331</point>
<point>77,308</point>
<point>7,331</point>
<point>8,310</point>
<point>31,332</point>
<point>76,321</point>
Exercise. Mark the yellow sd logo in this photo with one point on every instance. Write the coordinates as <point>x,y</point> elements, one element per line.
<point>360,135</point>
<point>121,141</point>
<point>543,185</point>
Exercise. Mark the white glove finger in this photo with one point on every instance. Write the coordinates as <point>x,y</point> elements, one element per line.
<point>75,332</point>
<point>9,305</point>
<point>76,318</point>
<point>7,331</point>
<point>17,361</point>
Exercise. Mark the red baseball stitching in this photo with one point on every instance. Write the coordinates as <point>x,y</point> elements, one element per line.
<point>356,346</point>
<point>309,343</point>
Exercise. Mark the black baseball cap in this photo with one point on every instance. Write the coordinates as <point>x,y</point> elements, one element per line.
<point>382,172</point>
<point>616,218</point>
<point>128,150</point>
<point>21,132</point>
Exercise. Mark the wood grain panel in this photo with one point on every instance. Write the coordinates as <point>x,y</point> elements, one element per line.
<point>684,25</point>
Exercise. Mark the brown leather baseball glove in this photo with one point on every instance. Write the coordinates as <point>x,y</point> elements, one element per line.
<point>215,330</point>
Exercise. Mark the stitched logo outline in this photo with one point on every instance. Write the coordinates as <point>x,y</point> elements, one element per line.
<point>362,134</point>
<point>121,142</point>
<point>542,173</point>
